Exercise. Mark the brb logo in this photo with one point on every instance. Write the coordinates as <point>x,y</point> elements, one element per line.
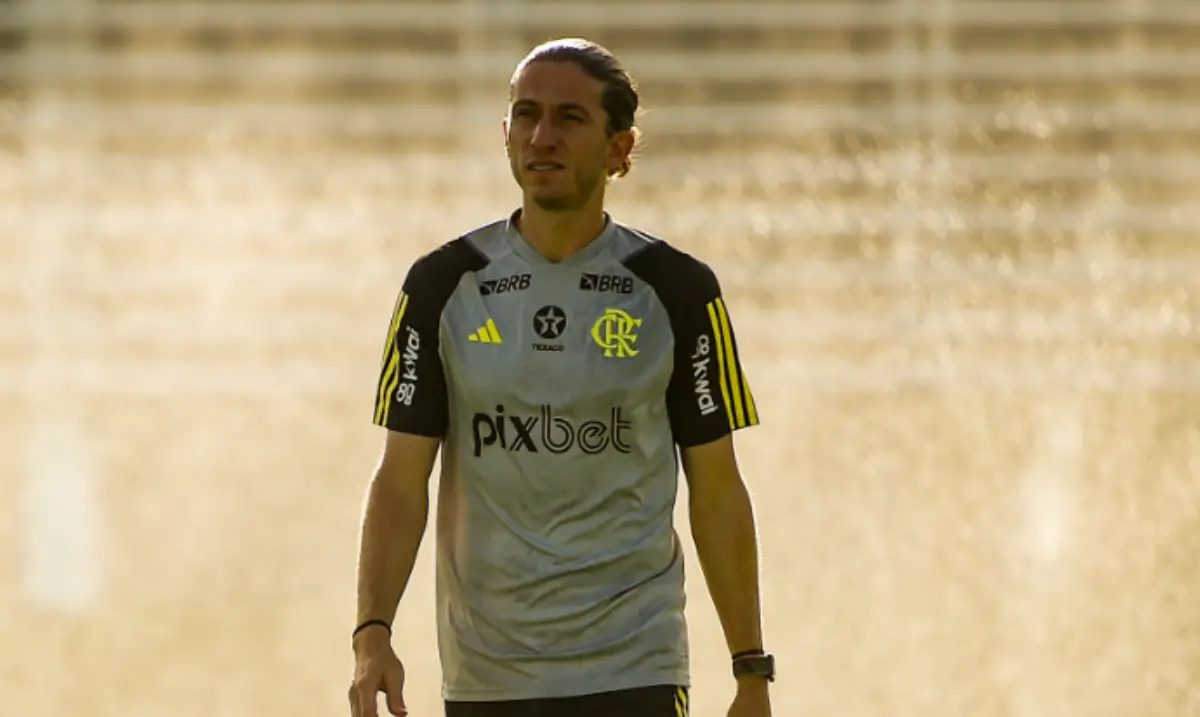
<point>549,432</point>
<point>604,283</point>
<point>613,332</point>
<point>516,282</point>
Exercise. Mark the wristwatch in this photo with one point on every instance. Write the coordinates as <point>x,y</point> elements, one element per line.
<point>756,665</point>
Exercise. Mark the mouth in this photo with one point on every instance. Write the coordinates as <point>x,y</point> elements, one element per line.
<point>543,167</point>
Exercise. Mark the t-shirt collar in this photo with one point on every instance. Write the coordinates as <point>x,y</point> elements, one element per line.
<point>525,250</point>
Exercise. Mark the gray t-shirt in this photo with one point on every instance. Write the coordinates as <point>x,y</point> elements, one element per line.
<point>561,391</point>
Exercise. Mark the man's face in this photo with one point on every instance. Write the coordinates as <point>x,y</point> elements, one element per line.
<point>555,135</point>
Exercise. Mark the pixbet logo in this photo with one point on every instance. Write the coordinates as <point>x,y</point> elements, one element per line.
<point>548,432</point>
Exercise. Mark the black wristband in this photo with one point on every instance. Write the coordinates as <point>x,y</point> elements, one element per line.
<point>369,623</point>
<point>748,653</point>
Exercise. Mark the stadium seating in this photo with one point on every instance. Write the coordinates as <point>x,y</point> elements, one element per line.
<point>826,143</point>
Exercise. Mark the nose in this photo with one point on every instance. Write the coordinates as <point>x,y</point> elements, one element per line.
<point>543,134</point>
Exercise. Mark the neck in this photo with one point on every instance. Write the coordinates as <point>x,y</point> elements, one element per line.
<point>558,235</point>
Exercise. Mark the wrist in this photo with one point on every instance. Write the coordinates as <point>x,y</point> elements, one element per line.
<point>371,632</point>
<point>753,683</point>
<point>753,668</point>
<point>749,652</point>
<point>368,641</point>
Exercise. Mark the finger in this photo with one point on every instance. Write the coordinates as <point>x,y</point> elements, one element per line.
<point>366,693</point>
<point>354,710</point>
<point>393,682</point>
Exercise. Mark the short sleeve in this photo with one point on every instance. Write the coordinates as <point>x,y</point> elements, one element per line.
<point>410,391</point>
<point>709,394</point>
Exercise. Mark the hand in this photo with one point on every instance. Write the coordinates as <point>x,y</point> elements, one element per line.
<point>752,699</point>
<point>376,669</point>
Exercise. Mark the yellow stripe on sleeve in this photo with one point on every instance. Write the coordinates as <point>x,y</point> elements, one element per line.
<point>391,374</point>
<point>381,392</point>
<point>391,335</point>
<point>735,378</point>
<point>751,409</point>
<point>391,388</point>
<point>723,381</point>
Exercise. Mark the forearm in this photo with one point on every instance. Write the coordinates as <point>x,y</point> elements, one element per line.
<point>393,525</point>
<point>723,528</point>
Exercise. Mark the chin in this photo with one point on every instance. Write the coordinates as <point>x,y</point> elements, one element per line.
<point>556,202</point>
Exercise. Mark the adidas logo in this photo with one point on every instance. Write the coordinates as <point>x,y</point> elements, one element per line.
<point>487,334</point>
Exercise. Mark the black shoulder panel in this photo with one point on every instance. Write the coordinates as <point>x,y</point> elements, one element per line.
<point>411,393</point>
<point>708,395</point>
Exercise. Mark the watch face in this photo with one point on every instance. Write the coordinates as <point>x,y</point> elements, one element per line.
<point>762,666</point>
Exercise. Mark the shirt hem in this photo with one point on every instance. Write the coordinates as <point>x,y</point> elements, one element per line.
<point>545,691</point>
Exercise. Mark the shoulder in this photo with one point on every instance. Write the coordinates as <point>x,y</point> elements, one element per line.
<point>672,272</point>
<point>439,270</point>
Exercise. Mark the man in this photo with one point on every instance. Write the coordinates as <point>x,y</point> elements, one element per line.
<point>559,360</point>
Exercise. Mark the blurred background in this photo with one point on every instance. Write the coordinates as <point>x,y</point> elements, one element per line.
<point>957,238</point>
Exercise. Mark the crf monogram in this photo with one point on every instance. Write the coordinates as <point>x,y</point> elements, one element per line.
<point>614,333</point>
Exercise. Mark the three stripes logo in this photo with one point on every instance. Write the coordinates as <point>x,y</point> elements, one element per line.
<point>734,388</point>
<point>681,702</point>
<point>487,334</point>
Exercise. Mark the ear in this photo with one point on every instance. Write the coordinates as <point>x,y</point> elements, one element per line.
<point>620,146</point>
<point>504,129</point>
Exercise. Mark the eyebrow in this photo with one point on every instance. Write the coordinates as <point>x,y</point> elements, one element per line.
<point>564,107</point>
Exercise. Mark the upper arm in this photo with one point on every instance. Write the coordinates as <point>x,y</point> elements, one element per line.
<point>711,470</point>
<point>407,461</point>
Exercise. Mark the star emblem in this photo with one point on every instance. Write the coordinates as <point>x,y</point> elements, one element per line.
<point>550,322</point>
